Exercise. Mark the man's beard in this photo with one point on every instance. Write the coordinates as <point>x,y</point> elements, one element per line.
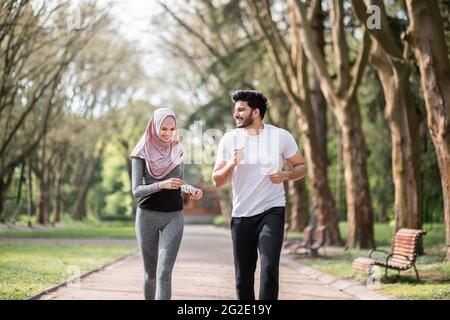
<point>246,122</point>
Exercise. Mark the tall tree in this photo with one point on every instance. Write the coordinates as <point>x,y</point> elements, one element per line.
<point>427,39</point>
<point>291,70</point>
<point>400,113</point>
<point>33,61</point>
<point>342,97</point>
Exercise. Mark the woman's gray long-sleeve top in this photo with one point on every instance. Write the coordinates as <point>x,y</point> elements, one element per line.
<point>147,192</point>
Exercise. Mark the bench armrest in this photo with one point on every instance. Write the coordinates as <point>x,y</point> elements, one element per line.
<point>391,255</point>
<point>375,250</point>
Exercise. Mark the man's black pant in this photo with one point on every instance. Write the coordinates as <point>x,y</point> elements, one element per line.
<point>264,233</point>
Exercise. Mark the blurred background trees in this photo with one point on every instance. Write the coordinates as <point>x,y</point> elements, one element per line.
<point>351,94</point>
<point>368,106</point>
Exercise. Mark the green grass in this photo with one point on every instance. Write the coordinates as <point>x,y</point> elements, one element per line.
<point>26,269</point>
<point>433,270</point>
<point>75,229</point>
<point>96,232</point>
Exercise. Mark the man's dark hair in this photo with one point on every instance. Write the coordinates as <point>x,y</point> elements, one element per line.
<point>255,100</point>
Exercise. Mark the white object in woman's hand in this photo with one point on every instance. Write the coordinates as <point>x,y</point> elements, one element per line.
<point>171,184</point>
<point>196,194</point>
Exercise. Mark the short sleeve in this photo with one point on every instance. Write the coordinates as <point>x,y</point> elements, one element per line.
<point>222,154</point>
<point>290,147</point>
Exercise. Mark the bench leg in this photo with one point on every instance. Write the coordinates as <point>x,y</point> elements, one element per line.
<point>417,273</point>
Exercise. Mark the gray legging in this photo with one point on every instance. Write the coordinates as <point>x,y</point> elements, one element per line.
<point>158,233</point>
<point>159,236</point>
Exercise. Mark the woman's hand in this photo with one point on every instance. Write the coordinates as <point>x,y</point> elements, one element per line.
<point>171,184</point>
<point>196,194</point>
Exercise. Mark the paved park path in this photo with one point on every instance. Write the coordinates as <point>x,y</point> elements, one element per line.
<point>204,270</point>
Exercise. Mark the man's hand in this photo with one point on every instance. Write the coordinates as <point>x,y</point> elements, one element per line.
<point>277,176</point>
<point>171,184</point>
<point>237,155</point>
<point>296,172</point>
<point>196,194</point>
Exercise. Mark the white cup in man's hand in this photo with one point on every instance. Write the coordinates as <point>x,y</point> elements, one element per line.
<point>238,155</point>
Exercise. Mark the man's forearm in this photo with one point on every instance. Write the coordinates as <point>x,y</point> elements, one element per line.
<point>296,173</point>
<point>222,176</point>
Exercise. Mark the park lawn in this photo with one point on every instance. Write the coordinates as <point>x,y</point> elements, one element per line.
<point>26,269</point>
<point>433,270</point>
<point>68,229</point>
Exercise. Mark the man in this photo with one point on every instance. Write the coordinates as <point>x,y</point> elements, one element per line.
<point>252,157</point>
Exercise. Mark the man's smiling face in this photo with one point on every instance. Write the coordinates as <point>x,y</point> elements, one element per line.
<point>242,114</point>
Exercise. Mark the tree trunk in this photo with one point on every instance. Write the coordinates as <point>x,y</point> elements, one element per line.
<point>299,217</point>
<point>42,212</point>
<point>324,207</point>
<point>443,155</point>
<point>79,212</point>
<point>338,175</point>
<point>403,121</point>
<point>401,116</point>
<point>319,103</point>
<point>19,194</point>
<point>30,193</point>
<point>58,183</point>
<point>359,205</point>
<point>41,173</point>
<point>341,95</point>
<point>2,199</point>
<point>297,208</point>
<point>427,39</point>
<point>5,182</point>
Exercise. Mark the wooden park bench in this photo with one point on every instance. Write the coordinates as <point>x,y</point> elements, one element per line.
<point>320,238</point>
<point>306,242</point>
<point>313,240</point>
<point>402,256</point>
<point>295,246</point>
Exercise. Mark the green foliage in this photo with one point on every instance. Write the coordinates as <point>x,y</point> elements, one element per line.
<point>111,195</point>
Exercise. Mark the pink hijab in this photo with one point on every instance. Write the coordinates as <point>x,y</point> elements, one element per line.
<point>160,156</point>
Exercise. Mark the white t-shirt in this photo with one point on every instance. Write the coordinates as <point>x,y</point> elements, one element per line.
<point>253,192</point>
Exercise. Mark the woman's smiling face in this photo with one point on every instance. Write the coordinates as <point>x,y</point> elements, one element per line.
<point>168,129</point>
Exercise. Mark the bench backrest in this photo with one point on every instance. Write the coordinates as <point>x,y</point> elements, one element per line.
<point>319,235</point>
<point>308,234</point>
<point>406,243</point>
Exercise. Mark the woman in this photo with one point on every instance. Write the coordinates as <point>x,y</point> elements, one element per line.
<point>157,183</point>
